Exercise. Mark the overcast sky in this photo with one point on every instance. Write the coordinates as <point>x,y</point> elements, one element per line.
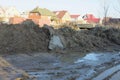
<point>73,6</point>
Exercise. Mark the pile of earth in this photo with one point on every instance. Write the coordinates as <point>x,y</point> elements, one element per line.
<point>28,37</point>
<point>23,38</point>
<point>97,39</point>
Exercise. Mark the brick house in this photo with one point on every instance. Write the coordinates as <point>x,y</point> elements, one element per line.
<point>39,19</point>
<point>16,20</point>
<point>38,15</point>
<point>41,16</point>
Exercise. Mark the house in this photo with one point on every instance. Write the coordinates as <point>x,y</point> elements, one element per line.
<point>11,12</point>
<point>110,20</point>
<point>38,15</point>
<point>16,20</point>
<point>2,15</point>
<point>78,19</point>
<point>24,14</point>
<point>2,12</point>
<point>41,16</point>
<point>90,18</point>
<point>114,20</point>
<point>63,16</point>
<point>7,12</point>
<point>74,17</point>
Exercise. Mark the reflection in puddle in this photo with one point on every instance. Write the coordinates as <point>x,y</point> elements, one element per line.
<point>90,57</point>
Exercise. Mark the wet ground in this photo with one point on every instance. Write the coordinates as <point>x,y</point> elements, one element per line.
<point>109,74</point>
<point>48,66</point>
<point>116,76</point>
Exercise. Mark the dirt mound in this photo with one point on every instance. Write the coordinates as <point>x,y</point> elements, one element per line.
<point>29,37</point>
<point>25,37</point>
<point>111,34</point>
<point>90,40</point>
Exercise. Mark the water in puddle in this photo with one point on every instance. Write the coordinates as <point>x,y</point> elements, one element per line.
<point>90,57</point>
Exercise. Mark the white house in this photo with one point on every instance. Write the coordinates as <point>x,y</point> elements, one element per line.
<point>24,14</point>
<point>11,12</point>
<point>78,19</point>
<point>8,12</point>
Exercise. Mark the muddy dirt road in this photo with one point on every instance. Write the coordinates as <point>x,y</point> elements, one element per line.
<point>48,66</point>
<point>109,74</point>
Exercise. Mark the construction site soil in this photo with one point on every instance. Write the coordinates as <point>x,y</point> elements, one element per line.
<point>28,37</point>
<point>19,40</point>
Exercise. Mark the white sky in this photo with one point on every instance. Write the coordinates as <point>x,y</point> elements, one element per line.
<point>73,6</point>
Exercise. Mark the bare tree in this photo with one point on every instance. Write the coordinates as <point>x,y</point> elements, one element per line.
<point>106,7</point>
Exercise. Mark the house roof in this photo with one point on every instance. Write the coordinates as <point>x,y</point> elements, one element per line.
<point>91,18</point>
<point>90,15</point>
<point>60,14</point>
<point>74,16</point>
<point>43,11</point>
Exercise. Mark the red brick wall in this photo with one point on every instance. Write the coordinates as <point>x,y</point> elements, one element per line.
<point>38,19</point>
<point>16,20</point>
<point>35,17</point>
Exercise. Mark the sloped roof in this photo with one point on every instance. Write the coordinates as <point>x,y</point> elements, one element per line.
<point>60,14</point>
<point>74,16</point>
<point>43,11</point>
<point>90,15</point>
<point>91,18</point>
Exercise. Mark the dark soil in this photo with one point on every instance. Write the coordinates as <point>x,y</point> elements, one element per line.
<point>28,37</point>
<point>23,38</point>
<point>97,39</point>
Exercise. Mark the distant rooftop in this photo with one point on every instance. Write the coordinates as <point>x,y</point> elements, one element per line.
<point>43,11</point>
<point>74,16</point>
<point>60,14</point>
